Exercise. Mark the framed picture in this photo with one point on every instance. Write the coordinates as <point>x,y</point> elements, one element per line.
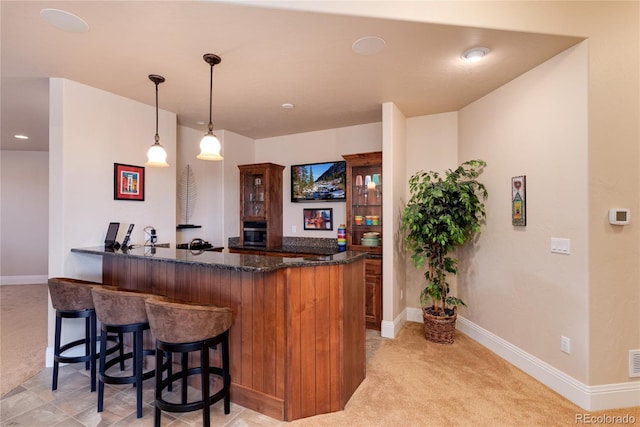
<point>518,200</point>
<point>318,219</point>
<point>128,182</point>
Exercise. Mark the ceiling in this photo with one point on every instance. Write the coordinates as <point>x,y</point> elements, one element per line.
<point>269,57</point>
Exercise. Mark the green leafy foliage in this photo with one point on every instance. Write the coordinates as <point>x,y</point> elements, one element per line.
<point>441,215</point>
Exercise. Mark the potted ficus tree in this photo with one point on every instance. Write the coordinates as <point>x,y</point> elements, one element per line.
<point>444,211</point>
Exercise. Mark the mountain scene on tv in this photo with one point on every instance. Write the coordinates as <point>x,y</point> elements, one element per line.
<point>319,181</point>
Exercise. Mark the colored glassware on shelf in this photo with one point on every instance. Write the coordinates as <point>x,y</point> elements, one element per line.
<point>342,238</point>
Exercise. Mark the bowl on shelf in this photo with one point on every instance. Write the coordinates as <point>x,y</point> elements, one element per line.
<point>371,239</point>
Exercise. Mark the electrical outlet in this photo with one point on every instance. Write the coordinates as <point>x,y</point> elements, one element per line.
<point>294,229</point>
<point>565,345</point>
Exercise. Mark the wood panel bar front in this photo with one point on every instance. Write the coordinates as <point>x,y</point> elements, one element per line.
<point>297,342</point>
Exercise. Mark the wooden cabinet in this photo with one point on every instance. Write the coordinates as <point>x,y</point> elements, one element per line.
<point>373,292</point>
<point>261,205</point>
<point>364,224</point>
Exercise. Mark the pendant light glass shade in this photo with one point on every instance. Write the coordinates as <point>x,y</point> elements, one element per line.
<point>157,156</point>
<point>210,144</point>
<point>210,147</point>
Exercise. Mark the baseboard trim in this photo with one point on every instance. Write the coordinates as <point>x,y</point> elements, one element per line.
<point>589,398</point>
<point>23,280</point>
<point>391,329</point>
<point>48,357</point>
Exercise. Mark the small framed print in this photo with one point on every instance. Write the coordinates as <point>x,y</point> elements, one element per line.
<point>128,182</point>
<point>318,219</point>
<point>519,200</point>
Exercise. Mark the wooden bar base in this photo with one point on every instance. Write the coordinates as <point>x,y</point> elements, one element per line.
<point>297,342</point>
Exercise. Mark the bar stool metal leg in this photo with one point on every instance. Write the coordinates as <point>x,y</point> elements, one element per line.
<point>226,366</point>
<point>89,343</point>
<point>204,363</point>
<point>56,350</point>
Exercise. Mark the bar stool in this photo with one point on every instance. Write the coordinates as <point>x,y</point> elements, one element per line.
<point>72,299</point>
<point>183,327</point>
<point>122,311</point>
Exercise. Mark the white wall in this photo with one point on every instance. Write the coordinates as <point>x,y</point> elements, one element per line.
<point>315,147</point>
<point>513,285</point>
<point>393,252</point>
<point>218,185</point>
<point>238,150</point>
<point>90,130</point>
<point>432,145</point>
<point>24,216</point>
<point>209,178</point>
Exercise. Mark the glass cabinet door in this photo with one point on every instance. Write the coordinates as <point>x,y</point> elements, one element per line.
<point>366,206</point>
<point>253,197</point>
<point>364,202</point>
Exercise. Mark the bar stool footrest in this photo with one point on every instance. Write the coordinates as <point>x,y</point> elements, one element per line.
<point>191,406</point>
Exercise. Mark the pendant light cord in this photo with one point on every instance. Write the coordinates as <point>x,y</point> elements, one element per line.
<point>157,136</point>
<point>211,100</point>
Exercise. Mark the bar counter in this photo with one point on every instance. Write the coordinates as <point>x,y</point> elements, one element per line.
<point>297,343</point>
<point>227,261</point>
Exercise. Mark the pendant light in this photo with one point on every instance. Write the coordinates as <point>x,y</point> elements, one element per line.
<point>157,156</point>
<point>210,145</point>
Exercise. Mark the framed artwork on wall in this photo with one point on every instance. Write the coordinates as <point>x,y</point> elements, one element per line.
<point>128,182</point>
<point>318,219</point>
<point>518,201</point>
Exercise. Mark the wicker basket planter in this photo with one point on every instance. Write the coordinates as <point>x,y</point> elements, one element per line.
<point>439,329</point>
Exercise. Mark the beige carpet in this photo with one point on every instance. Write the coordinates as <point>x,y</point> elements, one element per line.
<point>411,382</point>
<point>23,333</point>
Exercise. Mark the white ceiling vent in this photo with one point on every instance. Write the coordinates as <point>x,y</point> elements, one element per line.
<point>634,363</point>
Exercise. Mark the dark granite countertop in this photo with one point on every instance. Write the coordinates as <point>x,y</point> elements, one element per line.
<point>299,245</point>
<point>295,245</point>
<point>315,250</point>
<point>229,261</point>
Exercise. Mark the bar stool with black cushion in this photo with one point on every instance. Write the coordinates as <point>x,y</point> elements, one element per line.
<point>183,327</point>
<point>123,311</point>
<point>72,299</point>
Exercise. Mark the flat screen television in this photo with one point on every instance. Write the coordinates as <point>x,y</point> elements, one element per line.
<point>319,182</point>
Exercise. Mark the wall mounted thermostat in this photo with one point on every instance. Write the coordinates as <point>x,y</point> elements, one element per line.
<point>619,216</point>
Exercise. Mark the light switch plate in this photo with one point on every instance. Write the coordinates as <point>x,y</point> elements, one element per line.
<point>560,246</point>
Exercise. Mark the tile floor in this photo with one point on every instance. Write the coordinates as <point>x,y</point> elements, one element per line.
<point>34,404</point>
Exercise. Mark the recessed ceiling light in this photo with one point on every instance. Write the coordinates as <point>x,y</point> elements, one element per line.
<point>20,136</point>
<point>369,45</point>
<point>475,54</point>
<point>288,106</point>
<point>64,21</point>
